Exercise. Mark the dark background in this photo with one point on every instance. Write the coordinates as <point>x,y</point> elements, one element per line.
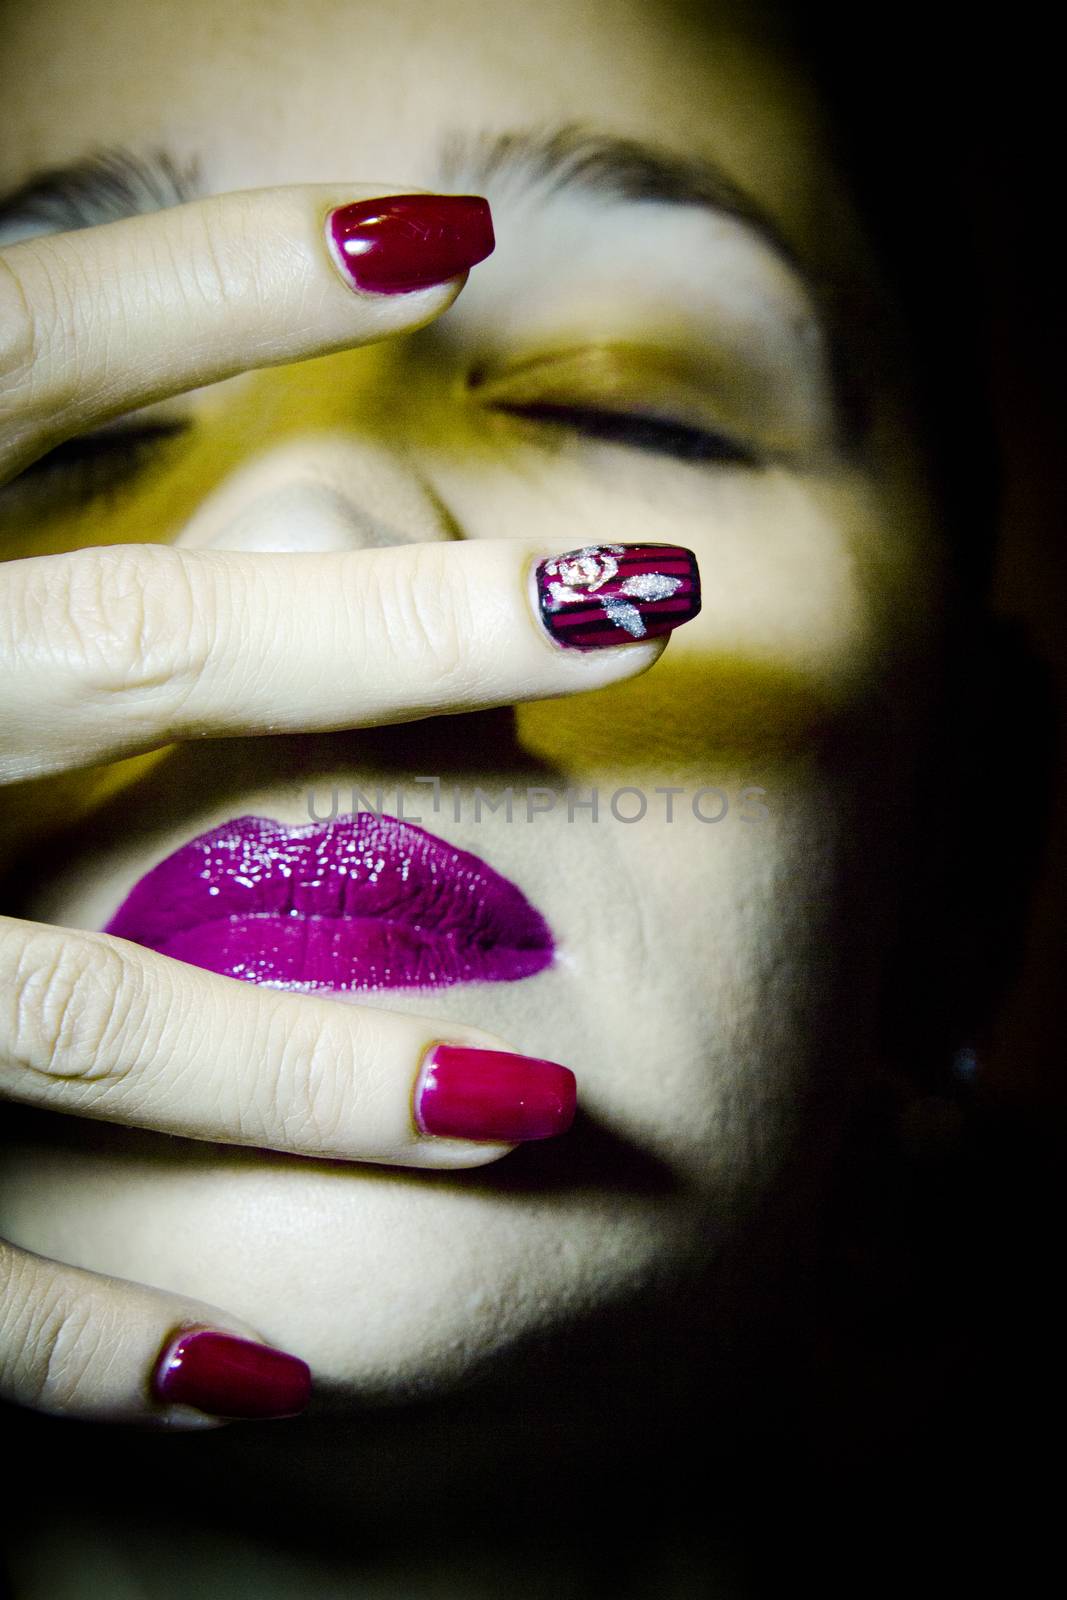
<point>943,1267</point>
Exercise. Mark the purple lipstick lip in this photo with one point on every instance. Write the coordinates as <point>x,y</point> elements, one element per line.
<point>362,902</point>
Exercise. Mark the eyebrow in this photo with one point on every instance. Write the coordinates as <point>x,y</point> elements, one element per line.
<point>574,157</point>
<point>104,186</point>
<point>112,184</point>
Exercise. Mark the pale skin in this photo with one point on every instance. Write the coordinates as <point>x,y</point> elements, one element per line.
<point>686,998</point>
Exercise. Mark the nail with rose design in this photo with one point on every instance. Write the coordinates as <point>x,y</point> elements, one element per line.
<point>606,594</point>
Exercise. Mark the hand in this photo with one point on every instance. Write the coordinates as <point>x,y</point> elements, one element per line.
<point>106,652</point>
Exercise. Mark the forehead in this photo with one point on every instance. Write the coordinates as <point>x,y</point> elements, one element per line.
<point>279,91</point>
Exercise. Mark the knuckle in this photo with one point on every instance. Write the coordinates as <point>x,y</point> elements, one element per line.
<point>36,377</point>
<point>19,341</point>
<point>47,1338</point>
<point>126,622</point>
<point>207,254</point>
<point>195,258</point>
<point>422,614</point>
<point>16,1296</point>
<point>74,1006</point>
<point>315,1089</point>
<point>60,1352</point>
<point>40,356</point>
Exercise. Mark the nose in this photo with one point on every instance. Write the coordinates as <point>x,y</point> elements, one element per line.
<point>320,492</point>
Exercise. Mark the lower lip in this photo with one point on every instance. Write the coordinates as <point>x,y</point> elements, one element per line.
<point>357,904</point>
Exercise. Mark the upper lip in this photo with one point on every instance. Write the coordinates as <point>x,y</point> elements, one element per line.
<point>362,901</point>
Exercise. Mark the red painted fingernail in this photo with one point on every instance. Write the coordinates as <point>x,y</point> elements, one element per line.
<point>492,1094</point>
<point>409,241</point>
<point>230,1377</point>
<point>606,594</point>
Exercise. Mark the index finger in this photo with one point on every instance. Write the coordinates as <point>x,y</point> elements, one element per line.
<point>107,319</point>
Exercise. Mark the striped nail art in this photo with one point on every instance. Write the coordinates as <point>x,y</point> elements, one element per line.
<point>607,594</point>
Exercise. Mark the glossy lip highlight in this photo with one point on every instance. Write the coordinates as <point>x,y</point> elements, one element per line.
<point>362,902</point>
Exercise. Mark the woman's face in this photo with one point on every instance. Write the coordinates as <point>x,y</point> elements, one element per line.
<point>717,953</point>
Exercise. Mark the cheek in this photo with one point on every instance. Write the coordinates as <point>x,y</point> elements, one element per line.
<point>812,588</point>
<point>709,954</point>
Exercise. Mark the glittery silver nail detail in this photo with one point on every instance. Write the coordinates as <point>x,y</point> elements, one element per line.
<point>625,616</point>
<point>651,586</point>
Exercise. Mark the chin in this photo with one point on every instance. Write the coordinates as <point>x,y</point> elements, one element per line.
<point>391,1284</point>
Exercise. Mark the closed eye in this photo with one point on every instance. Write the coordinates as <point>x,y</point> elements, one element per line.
<point>675,439</point>
<point>90,464</point>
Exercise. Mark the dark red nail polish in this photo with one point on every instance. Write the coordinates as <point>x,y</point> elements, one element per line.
<point>230,1377</point>
<point>410,241</point>
<point>492,1094</point>
<point>611,593</point>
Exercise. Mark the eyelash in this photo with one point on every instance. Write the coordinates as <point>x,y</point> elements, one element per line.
<point>675,439</point>
<point>88,466</point>
<point>92,464</point>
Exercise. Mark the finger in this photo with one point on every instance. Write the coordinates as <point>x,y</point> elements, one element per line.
<point>106,652</point>
<point>107,319</point>
<point>101,1027</point>
<point>78,1344</point>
